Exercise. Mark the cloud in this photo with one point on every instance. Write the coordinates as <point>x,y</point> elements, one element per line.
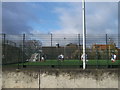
<point>103,18</point>
<point>15,17</point>
<point>100,18</point>
<point>69,19</point>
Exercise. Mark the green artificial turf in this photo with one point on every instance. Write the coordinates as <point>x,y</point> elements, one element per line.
<point>72,62</point>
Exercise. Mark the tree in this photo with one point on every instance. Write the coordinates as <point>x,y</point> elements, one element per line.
<point>32,46</point>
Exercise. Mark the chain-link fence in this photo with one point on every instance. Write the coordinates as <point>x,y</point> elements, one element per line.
<point>35,47</point>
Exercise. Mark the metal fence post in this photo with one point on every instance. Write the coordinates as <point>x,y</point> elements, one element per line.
<point>4,37</point>
<point>79,45</point>
<point>17,52</point>
<point>97,57</point>
<point>23,49</point>
<point>51,39</point>
<point>65,48</point>
<point>4,55</point>
<point>6,51</point>
<point>20,54</point>
<point>107,49</point>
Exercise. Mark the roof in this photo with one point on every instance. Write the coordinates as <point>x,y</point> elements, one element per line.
<point>103,46</point>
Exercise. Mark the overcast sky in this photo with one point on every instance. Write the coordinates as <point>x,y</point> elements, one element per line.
<point>59,17</point>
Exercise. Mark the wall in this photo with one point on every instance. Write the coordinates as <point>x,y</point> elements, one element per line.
<point>59,78</point>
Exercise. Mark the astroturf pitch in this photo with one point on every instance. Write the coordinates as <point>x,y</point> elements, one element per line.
<point>72,62</point>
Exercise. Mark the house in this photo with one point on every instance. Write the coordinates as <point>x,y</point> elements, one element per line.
<point>104,46</point>
<point>104,49</point>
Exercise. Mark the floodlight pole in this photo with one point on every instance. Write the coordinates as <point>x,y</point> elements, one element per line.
<point>84,35</point>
